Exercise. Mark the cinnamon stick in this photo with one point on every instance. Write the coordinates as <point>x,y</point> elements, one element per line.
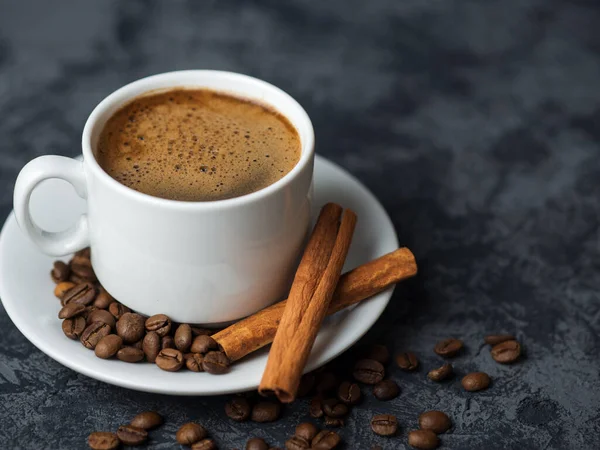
<point>258,330</point>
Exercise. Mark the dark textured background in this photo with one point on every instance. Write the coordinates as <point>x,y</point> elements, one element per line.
<point>476,123</point>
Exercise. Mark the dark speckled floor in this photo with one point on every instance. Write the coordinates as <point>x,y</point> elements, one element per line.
<point>476,123</point>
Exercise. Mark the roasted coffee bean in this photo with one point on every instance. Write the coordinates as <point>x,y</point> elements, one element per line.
<point>61,289</point>
<point>83,293</point>
<point>297,443</point>
<point>82,257</point>
<point>379,353</point>
<point>197,331</point>
<point>307,383</point>
<point>205,444</point>
<point>316,407</point>
<point>132,436</point>
<point>203,344</point>
<point>84,272</point>
<point>169,359</point>
<point>77,279</point>
<point>448,347</point>
<point>108,346</point>
<point>190,433</point>
<point>73,328</point>
<point>441,373</point>
<point>326,440</point>
<point>167,342</point>
<point>349,393</point>
<point>147,420</point>
<point>117,309</point>
<point>130,354</point>
<point>101,315</point>
<point>93,333</point>
<point>423,439</point>
<point>103,300</point>
<point>194,362</point>
<point>139,344</point>
<point>407,361</point>
<point>151,346</point>
<point>256,444</point>
<point>159,323</point>
<point>326,381</point>
<point>476,381</point>
<point>266,412</point>
<point>436,421</point>
<point>86,313</point>
<point>130,327</point>
<point>368,371</point>
<point>60,272</point>
<point>506,352</point>
<point>332,407</point>
<point>384,425</point>
<point>377,447</point>
<point>307,431</point>
<point>238,409</point>
<point>71,310</point>
<point>496,339</point>
<point>183,337</point>
<point>102,440</point>
<point>335,422</point>
<point>215,363</point>
<point>386,390</point>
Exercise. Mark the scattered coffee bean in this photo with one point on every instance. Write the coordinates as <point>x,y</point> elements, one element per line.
<point>197,331</point>
<point>61,289</point>
<point>335,422</point>
<point>83,293</point>
<point>476,381</point>
<point>130,327</point>
<point>84,272</point>
<point>183,337</point>
<point>71,310</point>
<point>151,346</point>
<point>349,393</point>
<point>215,363</point>
<point>316,407</point>
<point>441,373</point>
<point>205,444</point>
<point>103,300</point>
<point>332,407</point>
<point>93,333</point>
<point>190,433</point>
<point>256,444</point>
<point>307,383</point>
<point>60,272</point>
<point>266,412</point>
<point>384,425</point>
<point>326,440</point>
<point>108,346</point>
<point>147,420</point>
<point>379,353</point>
<point>495,339</point>
<point>74,327</point>
<point>203,344</point>
<point>130,354</point>
<point>307,431</point>
<point>448,347</point>
<point>117,309</point>
<point>102,440</point>
<point>169,359</point>
<point>407,361</point>
<point>159,323</point>
<point>423,439</point>
<point>436,421</point>
<point>386,390</point>
<point>101,315</point>
<point>326,382</point>
<point>167,342</point>
<point>132,436</point>
<point>368,371</point>
<point>506,352</point>
<point>194,362</point>
<point>297,443</point>
<point>238,409</point>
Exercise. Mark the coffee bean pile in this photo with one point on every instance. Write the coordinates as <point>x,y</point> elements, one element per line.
<point>92,316</point>
<point>132,435</point>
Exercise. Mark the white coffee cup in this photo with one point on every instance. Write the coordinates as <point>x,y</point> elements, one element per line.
<point>197,262</point>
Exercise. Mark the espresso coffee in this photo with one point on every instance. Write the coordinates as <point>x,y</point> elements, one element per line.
<point>197,145</point>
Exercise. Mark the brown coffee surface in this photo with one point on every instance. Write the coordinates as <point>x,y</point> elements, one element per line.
<point>197,145</point>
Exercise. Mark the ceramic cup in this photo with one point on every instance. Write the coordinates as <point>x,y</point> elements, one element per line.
<point>197,262</point>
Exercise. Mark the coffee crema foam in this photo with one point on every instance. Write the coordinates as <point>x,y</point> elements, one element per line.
<point>197,145</point>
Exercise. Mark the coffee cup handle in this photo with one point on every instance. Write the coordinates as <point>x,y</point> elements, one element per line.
<point>43,168</point>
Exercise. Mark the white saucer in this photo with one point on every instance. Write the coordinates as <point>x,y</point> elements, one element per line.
<point>26,292</point>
